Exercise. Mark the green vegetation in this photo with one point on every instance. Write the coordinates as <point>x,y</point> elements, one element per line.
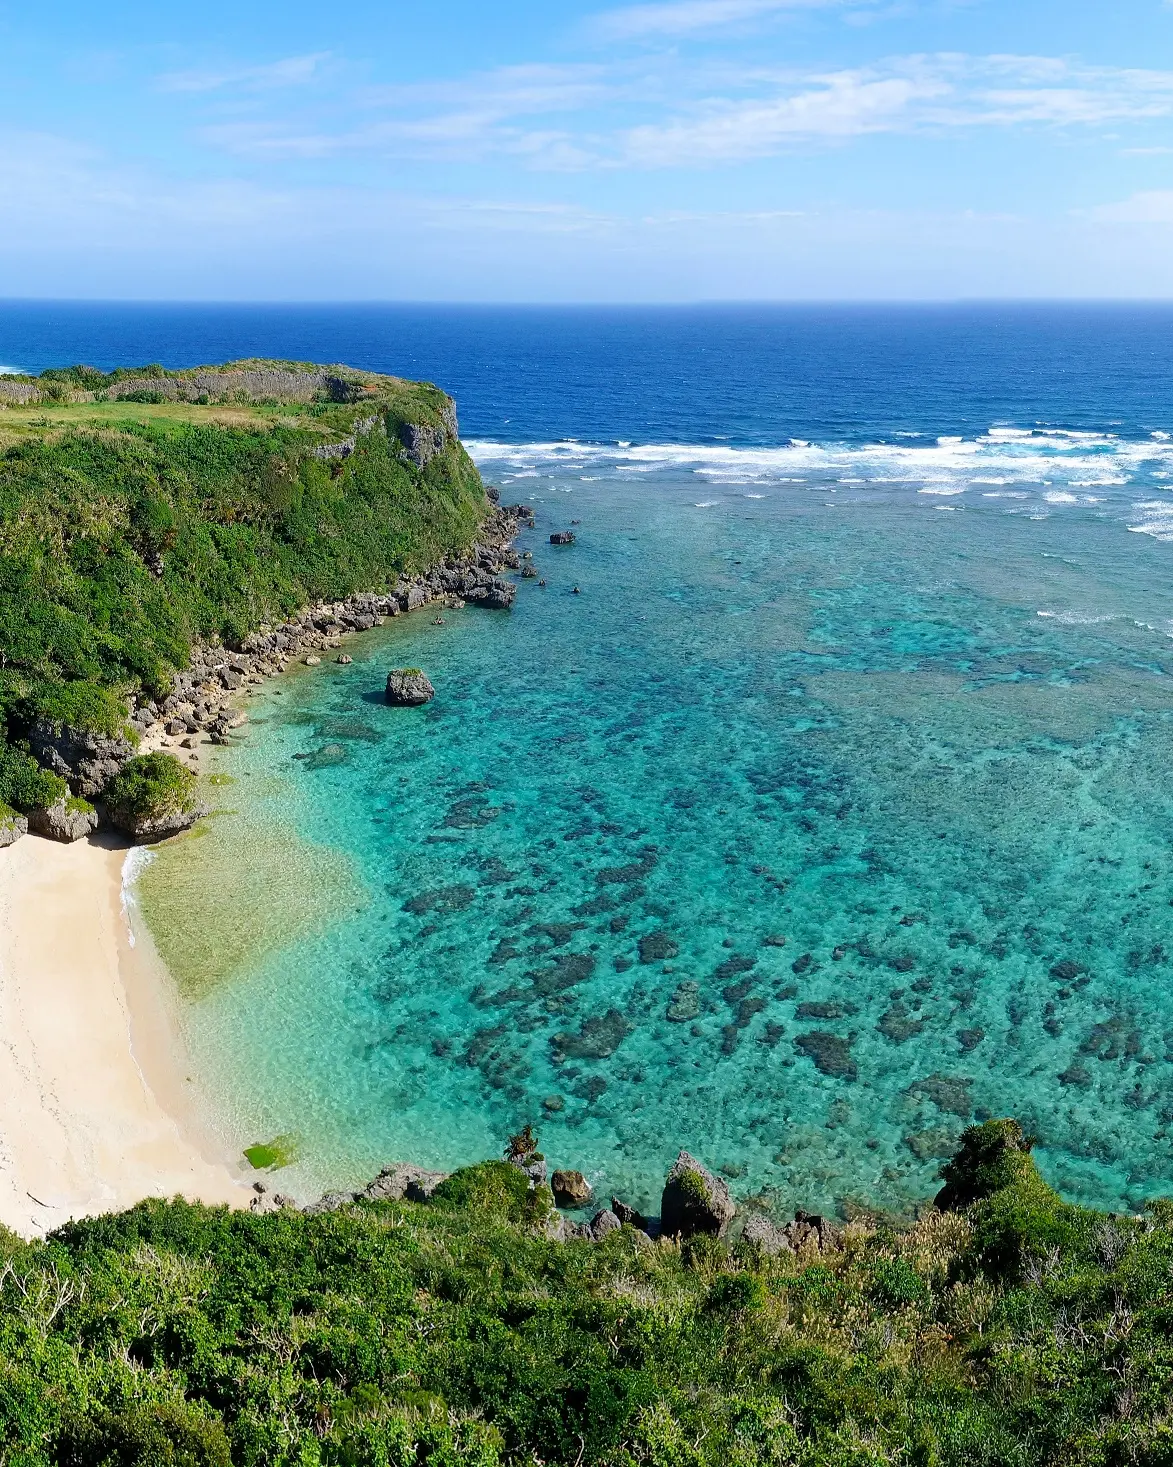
<point>130,530</point>
<point>24,784</point>
<point>1016,1331</point>
<point>150,787</point>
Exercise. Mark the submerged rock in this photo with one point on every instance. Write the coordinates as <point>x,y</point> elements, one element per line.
<point>694,1200</point>
<point>598,1038</point>
<point>658,947</point>
<point>830,1052</point>
<point>686,1003</point>
<point>408,687</point>
<point>65,820</point>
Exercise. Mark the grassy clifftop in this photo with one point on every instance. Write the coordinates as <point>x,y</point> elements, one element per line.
<point>142,511</point>
<point>1009,1329</point>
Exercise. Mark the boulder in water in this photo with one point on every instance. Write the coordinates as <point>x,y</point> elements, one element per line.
<point>571,1189</point>
<point>408,687</point>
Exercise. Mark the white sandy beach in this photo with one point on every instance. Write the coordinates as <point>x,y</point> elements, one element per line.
<point>93,1112</point>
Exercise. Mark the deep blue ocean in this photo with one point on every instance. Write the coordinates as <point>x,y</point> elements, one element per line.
<point>832,814</point>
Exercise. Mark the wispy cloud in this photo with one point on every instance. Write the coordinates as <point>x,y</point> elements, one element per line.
<point>292,71</point>
<point>671,113</point>
<point>690,17</point>
<point>1152,206</point>
<point>922,93</point>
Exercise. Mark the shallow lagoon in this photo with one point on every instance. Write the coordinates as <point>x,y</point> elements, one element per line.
<point>905,706</point>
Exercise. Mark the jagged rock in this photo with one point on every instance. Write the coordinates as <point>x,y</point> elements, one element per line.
<point>694,1200</point>
<point>810,1229</point>
<point>760,1233</point>
<point>64,821</point>
<point>497,595</point>
<point>85,760</point>
<point>628,1215</point>
<point>12,826</point>
<point>331,1202</point>
<point>603,1223</point>
<point>571,1189</point>
<point>401,1179</point>
<point>408,687</point>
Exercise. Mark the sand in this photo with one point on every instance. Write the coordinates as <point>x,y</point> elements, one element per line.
<point>94,1109</point>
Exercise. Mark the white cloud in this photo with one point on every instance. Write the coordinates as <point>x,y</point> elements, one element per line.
<point>838,107</point>
<point>1153,206</point>
<point>688,17</point>
<point>920,93</point>
<point>668,112</point>
<point>293,71</point>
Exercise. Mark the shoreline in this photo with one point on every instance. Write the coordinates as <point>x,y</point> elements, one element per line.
<point>95,1115</point>
<point>97,1111</point>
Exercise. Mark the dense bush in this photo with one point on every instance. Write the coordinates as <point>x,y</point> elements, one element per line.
<point>24,784</point>
<point>457,1332</point>
<point>150,786</point>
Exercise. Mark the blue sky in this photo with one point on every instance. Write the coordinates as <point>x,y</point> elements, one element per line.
<point>685,150</point>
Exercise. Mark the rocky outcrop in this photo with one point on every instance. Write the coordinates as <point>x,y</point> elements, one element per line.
<point>65,820</point>
<point>347,446</point>
<point>571,1189</point>
<point>145,828</point>
<point>85,760</point>
<point>765,1236</point>
<point>18,392</point>
<point>497,595</point>
<point>403,1180</point>
<point>250,384</point>
<point>12,826</point>
<point>694,1200</point>
<point>408,687</point>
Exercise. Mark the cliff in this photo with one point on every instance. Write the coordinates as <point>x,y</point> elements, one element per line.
<point>153,522</point>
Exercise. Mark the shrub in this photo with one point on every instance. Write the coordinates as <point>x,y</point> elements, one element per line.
<point>79,704</point>
<point>168,1434</point>
<point>149,787</point>
<point>493,1188</point>
<point>24,784</point>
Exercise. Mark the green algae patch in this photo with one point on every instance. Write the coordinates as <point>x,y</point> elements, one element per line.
<point>222,898</point>
<point>220,781</point>
<point>268,1156</point>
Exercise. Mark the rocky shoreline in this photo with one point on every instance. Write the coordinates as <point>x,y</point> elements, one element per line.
<point>694,1203</point>
<point>202,704</point>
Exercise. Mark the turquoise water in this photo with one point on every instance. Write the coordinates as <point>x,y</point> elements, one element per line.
<point>906,705</point>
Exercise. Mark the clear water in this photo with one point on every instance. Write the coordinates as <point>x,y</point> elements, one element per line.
<point>905,703</point>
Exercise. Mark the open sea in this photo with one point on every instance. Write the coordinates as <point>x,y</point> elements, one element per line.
<point>834,813</point>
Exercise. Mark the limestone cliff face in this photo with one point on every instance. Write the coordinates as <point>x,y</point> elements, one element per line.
<point>425,441</point>
<point>83,759</point>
